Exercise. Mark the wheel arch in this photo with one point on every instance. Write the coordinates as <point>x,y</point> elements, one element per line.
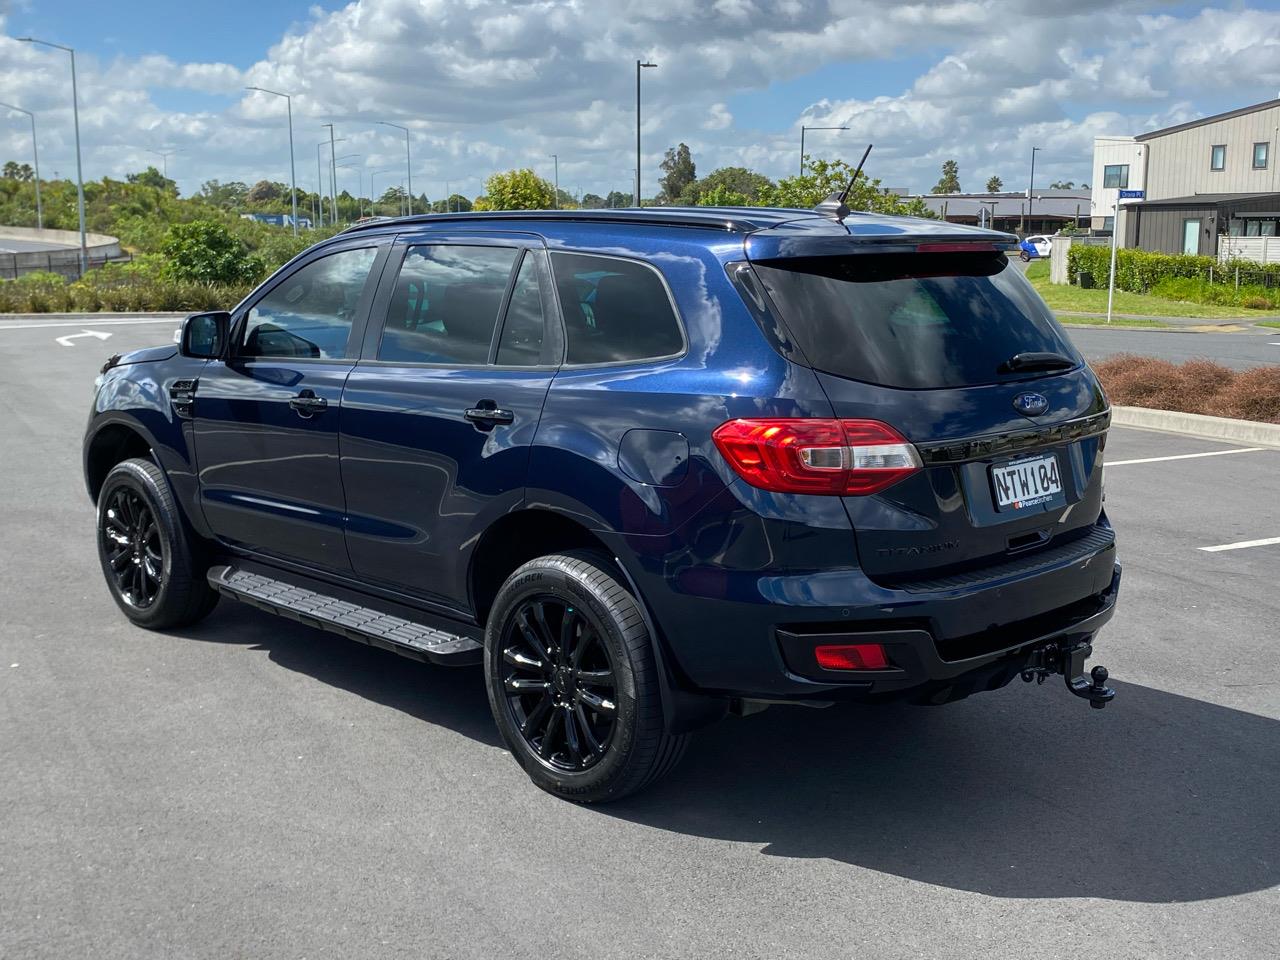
<point>110,443</point>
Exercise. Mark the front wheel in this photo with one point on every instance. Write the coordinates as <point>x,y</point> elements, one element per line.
<point>573,682</point>
<point>151,562</point>
<point>1024,256</point>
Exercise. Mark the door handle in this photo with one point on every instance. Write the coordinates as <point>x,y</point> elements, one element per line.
<point>488,415</point>
<point>307,404</point>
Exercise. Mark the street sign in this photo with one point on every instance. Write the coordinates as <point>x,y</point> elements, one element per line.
<point>1133,194</point>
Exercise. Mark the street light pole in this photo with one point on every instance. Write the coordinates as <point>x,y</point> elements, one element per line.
<point>293,176</point>
<point>333,176</point>
<point>1031,187</point>
<point>408,162</point>
<point>320,180</point>
<point>555,203</point>
<point>640,64</point>
<point>35,154</point>
<point>803,128</point>
<point>164,156</point>
<point>75,114</point>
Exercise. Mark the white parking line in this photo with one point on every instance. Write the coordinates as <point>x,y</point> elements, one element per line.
<point>1184,456</point>
<point>82,324</point>
<point>1269,541</point>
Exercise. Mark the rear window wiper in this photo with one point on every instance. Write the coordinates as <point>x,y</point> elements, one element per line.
<point>1024,362</point>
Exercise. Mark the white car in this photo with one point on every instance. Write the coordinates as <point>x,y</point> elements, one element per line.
<point>1036,245</point>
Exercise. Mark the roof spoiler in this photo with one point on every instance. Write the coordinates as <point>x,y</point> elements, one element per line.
<point>834,206</point>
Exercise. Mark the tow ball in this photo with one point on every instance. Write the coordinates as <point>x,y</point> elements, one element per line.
<point>1069,661</point>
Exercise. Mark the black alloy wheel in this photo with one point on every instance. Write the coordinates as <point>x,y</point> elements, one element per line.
<point>559,682</point>
<point>133,548</point>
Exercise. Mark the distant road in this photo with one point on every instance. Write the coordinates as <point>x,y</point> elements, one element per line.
<point>1240,351</point>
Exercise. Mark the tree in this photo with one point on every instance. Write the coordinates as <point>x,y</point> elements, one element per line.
<point>516,190</point>
<point>592,201</point>
<point>456,203</point>
<point>18,171</point>
<point>1062,185</point>
<point>205,251</point>
<point>225,196</point>
<point>264,191</point>
<point>994,185</point>
<point>617,199</point>
<point>950,181</point>
<point>734,180</point>
<point>722,196</point>
<point>825,177</point>
<point>679,172</point>
<point>151,177</point>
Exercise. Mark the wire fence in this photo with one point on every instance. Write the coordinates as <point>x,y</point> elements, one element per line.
<point>65,263</point>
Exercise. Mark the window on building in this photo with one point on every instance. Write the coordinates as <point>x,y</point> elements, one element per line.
<point>1108,224</point>
<point>1115,176</point>
<point>1261,152</point>
<point>1218,157</point>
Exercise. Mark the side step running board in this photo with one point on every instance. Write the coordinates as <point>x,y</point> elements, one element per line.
<point>350,620</point>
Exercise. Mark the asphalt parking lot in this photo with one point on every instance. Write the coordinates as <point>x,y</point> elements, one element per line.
<point>252,788</point>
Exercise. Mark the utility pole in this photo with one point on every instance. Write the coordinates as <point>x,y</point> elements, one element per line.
<point>35,154</point>
<point>640,64</point>
<point>75,114</point>
<point>293,176</point>
<point>1031,188</point>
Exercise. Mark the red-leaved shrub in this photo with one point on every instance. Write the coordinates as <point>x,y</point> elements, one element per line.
<point>1197,386</point>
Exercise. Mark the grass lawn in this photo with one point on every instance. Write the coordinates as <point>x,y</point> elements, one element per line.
<point>1061,296</point>
<point>1269,323</point>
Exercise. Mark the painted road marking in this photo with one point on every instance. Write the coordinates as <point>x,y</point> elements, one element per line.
<point>1269,541</point>
<point>1183,456</point>
<point>66,341</point>
<point>96,323</point>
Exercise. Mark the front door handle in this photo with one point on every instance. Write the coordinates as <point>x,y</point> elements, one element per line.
<point>307,404</point>
<point>488,415</point>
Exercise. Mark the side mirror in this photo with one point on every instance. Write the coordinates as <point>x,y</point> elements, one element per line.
<point>204,335</point>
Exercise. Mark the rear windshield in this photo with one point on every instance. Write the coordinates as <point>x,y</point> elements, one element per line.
<point>914,320</point>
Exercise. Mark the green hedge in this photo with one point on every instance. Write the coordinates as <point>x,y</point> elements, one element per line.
<point>122,287</point>
<point>1138,271</point>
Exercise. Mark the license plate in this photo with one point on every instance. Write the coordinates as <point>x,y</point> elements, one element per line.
<point>1024,483</point>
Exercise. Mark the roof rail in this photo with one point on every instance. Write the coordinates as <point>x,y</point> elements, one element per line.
<point>656,217</point>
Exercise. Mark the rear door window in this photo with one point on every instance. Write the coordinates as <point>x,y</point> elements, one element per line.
<point>444,306</point>
<point>913,320</point>
<point>614,310</point>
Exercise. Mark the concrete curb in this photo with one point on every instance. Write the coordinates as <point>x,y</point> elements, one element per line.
<point>1248,432</point>
<point>99,315</point>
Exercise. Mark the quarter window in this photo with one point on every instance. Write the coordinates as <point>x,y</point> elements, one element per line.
<point>614,310</point>
<point>445,303</point>
<point>1261,153</point>
<point>1115,176</point>
<point>1218,157</point>
<point>309,314</point>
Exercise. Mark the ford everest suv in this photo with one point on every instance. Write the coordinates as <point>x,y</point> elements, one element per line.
<point>647,467</point>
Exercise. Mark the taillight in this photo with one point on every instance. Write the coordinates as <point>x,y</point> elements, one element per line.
<point>849,457</point>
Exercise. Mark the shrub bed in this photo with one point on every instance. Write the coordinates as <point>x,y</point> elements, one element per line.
<point>1197,386</point>
<point>126,287</point>
<point>1177,276</point>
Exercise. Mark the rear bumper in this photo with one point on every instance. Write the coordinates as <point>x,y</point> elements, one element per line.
<point>751,633</point>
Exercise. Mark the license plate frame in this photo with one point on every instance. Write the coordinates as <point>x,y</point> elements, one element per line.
<point>1014,488</point>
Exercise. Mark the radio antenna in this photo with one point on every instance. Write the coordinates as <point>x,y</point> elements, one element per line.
<point>834,205</point>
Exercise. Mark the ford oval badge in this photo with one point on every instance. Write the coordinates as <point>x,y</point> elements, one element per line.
<point>1030,404</point>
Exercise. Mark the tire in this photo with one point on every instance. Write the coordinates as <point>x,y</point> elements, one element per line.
<point>607,638</point>
<point>1024,257</point>
<point>154,566</point>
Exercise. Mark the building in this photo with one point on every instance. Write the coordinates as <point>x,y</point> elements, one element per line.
<point>1048,211</point>
<point>1202,180</point>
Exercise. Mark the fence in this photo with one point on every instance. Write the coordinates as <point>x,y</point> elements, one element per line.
<point>1258,249</point>
<point>65,263</point>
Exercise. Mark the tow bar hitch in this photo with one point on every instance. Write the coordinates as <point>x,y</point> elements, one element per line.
<point>1069,661</point>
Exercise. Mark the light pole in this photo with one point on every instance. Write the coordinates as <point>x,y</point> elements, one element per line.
<point>164,156</point>
<point>293,175</point>
<point>1032,186</point>
<point>803,128</point>
<point>337,162</point>
<point>75,114</point>
<point>333,176</point>
<point>320,176</point>
<point>408,162</point>
<point>555,203</point>
<point>640,65</point>
<point>35,154</point>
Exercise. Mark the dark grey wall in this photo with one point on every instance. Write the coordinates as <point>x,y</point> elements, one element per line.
<point>1160,228</point>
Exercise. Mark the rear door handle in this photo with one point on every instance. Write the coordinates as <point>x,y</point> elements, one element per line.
<point>488,415</point>
<point>307,404</point>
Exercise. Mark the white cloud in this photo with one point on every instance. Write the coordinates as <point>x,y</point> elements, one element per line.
<point>489,84</point>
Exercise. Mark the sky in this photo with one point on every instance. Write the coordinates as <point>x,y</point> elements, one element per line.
<point>485,85</point>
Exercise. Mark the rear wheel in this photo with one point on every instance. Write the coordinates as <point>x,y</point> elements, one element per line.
<point>1024,256</point>
<point>152,564</point>
<point>573,682</point>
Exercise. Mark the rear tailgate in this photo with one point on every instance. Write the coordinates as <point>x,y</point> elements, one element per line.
<point>922,341</point>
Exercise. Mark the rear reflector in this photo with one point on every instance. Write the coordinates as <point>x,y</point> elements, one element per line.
<point>851,656</point>
<point>794,455</point>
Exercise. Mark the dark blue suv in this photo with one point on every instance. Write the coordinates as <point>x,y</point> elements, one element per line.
<point>647,466</point>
